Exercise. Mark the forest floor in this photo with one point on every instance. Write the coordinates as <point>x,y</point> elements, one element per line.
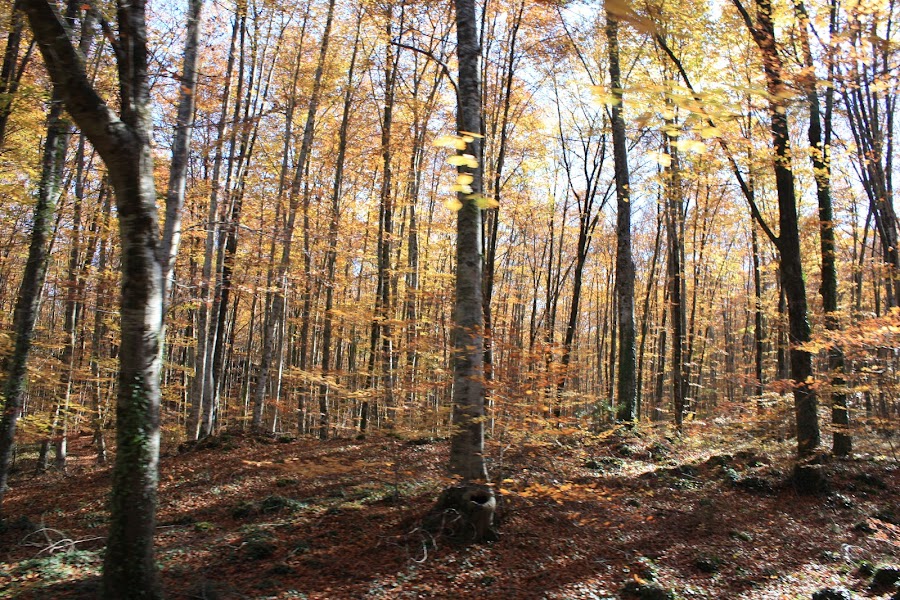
<point>640,514</point>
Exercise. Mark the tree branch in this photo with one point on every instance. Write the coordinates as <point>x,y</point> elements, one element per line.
<point>66,66</point>
<point>745,189</point>
<point>430,55</point>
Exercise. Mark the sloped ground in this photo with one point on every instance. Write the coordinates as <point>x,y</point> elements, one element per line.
<point>580,517</point>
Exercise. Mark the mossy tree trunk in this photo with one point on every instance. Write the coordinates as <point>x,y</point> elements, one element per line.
<point>123,141</point>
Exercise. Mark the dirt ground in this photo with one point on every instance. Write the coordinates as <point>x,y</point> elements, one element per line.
<point>640,514</point>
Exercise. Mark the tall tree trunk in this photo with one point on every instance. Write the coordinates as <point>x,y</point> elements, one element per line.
<point>31,289</point>
<point>467,440</point>
<point>820,144</point>
<point>203,371</point>
<point>100,328</point>
<point>788,240</point>
<point>678,320</point>
<point>626,391</point>
<point>124,144</point>
<point>334,222</point>
<point>184,127</point>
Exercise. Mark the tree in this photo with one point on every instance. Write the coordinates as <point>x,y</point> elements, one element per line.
<point>819,134</point>
<point>626,390</point>
<point>31,289</point>
<point>123,141</point>
<point>788,239</point>
<point>474,500</point>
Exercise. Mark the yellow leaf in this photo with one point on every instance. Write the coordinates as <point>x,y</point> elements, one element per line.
<point>445,141</point>
<point>483,202</point>
<point>662,158</point>
<point>453,204</point>
<point>710,132</point>
<point>464,179</point>
<point>463,160</point>
<point>465,189</point>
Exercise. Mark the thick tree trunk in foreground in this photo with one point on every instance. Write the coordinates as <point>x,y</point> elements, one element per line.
<point>124,144</point>
<point>471,499</point>
<point>467,441</point>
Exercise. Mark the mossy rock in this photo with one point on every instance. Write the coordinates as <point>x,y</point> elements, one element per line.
<point>258,546</point>
<point>810,479</point>
<point>708,564</point>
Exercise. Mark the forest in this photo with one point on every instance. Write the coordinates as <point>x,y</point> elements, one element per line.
<point>386,299</point>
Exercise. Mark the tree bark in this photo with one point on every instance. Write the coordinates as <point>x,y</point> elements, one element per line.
<point>788,240</point>
<point>626,390</point>
<point>820,143</point>
<point>467,439</point>
<point>31,289</point>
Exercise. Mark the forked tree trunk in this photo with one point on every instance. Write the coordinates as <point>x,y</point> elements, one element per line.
<point>124,144</point>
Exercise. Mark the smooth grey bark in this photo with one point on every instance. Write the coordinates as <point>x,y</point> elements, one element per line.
<point>467,438</point>
<point>184,127</point>
<point>123,141</point>
<point>626,390</point>
<point>203,381</point>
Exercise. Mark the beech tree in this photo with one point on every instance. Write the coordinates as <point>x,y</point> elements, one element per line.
<point>787,241</point>
<point>626,388</point>
<point>123,140</point>
<point>472,498</point>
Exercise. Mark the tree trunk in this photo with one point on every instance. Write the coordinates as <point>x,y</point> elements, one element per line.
<point>31,289</point>
<point>820,144</point>
<point>467,440</point>
<point>331,254</point>
<point>12,68</point>
<point>788,240</point>
<point>124,144</point>
<point>203,381</point>
<point>626,391</point>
